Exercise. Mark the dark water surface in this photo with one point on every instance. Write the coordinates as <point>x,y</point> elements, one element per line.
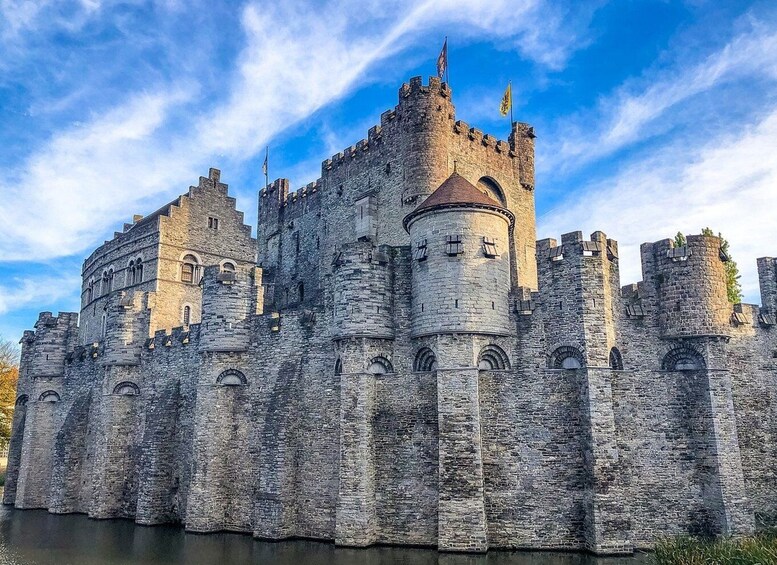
<point>36,537</point>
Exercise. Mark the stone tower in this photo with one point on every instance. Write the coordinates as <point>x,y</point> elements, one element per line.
<point>460,287</point>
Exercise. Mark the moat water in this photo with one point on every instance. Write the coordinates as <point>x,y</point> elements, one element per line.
<point>35,537</point>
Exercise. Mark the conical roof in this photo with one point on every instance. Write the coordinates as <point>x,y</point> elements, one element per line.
<point>456,191</point>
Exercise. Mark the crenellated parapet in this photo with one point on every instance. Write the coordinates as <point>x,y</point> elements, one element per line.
<point>363,284</point>
<point>54,336</point>
<point>127,325</point>
<point>579,285</point>
<point>229,300</point>
<point>688,284</point>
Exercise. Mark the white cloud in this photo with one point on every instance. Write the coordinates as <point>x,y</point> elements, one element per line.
<point>638,109</point>
<point>39,290</point>
<point>729,184</point>
<point>295,61</point>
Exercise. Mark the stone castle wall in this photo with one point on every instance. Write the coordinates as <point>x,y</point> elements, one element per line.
<point>329,388</point>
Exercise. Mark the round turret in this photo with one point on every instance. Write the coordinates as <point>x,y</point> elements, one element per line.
<point>691,284</point>
<point>363,297</point>
<point>459,240</point>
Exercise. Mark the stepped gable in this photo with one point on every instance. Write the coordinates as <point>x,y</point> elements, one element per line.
<point>455,191</point>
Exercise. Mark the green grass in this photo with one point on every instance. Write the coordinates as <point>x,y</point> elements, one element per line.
<point>760,549</point>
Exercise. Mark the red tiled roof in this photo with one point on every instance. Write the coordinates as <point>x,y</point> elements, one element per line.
<point>457,190</point>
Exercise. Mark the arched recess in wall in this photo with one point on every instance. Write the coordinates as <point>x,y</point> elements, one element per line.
<point>227,267</point>
<point>186,314</point>
<point>616,359</point>
<point>566,357</point>
<point>126,388</point>
<point>493,358</point>
<point>191,267</point>
<point>683,359</point>
<point>22,400</point>
<point>232,377</point>
<point>49,396</point>
<point>380,366</point>
<point>492,189</point>
<point>338,367</point>
<point>425,360</point>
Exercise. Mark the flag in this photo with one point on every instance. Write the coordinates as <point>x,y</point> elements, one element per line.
<point>442,60</point>
<point>264,165</point>
<point>507,100</point>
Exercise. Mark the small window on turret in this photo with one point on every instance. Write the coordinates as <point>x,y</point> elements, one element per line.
<point>420,251</point>
<point>489,247</point>
<point>453,245</point>
<point>213,223</point>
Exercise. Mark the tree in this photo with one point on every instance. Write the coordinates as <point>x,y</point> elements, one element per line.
<point>733,286</point>
<point>679,239</point>
<point>9,374</point>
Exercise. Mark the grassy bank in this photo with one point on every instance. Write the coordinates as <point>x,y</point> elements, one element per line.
<point>758,549</point>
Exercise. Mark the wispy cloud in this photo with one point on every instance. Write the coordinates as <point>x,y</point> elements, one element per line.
<point>156,138</point>
<point>637,110</point>
<point>728,183</point>
<point>21,292</point>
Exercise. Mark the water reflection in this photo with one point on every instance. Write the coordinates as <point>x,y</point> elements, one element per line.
<point>35,537</point>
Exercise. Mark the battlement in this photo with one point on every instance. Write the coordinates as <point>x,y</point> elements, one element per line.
<point>573,244</point>
<point>54,336</point>
<point>688,284</point>
<point>179,336</point>
<point>127,323</point>
<point>416,86</point>
<point>364,298</point>
<point>229,300</point>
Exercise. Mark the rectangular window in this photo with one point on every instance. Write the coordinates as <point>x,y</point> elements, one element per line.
<point>420,251</point>
<point>187,273</point>
<point>213,223</point>
<point>489,247</point>
<point>453,245</point>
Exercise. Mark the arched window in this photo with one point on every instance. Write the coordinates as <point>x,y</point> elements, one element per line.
<point>138,275</point>
<point>301,292</point>
<point>126,388</point>
<point>228,267</point>
<point>492,189</point>
<point>187,314</point>
<point>129,278</point>
<point>338,367</point>
<point>425,360</point>
<point>190,270</point>
<point>104,326</point>
<point>380,366</point>
<point>616,361</point>
<point>104,286</point>
<point>88,295</point>
<point>231,377</point>
<point>49,396</point>
<point>22,400</point>
<point>110,280</point>
<point>492,358</point>
<point>566,357</point>
<point>683,359</point>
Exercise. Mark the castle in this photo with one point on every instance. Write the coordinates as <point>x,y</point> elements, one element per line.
<point>396,359</point>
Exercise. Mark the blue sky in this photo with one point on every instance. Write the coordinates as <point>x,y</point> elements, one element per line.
<point>652,116</point>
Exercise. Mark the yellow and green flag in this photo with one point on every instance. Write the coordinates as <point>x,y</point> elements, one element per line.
<point>507,100</point>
